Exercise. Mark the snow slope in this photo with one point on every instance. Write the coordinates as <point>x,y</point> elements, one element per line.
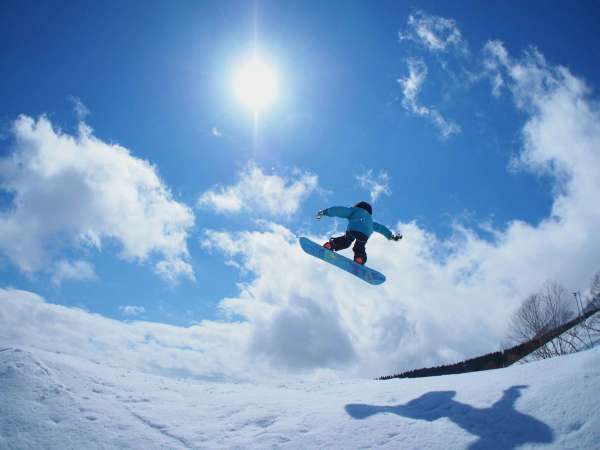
<point>55,401</point>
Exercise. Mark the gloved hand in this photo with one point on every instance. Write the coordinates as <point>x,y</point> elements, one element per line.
<point>320,214</point>
<point>396,237</point>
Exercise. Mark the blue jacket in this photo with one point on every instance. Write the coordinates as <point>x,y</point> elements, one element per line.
<point>358,220</point>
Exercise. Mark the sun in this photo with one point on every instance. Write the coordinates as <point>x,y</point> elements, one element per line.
<point>256,85</point>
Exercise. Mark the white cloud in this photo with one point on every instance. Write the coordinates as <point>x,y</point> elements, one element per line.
<point>376,185</point>
<point>80,109</point>
<point>216,132</point>
<point>301,335</point>
<point>261,193</point>
<point>497,84</point>
<point>172,269</point>
<point>73,270</point>
<point>79,190</point>
<point>496,50</point>
<point>132,310</point>
<point>411,87</point>
<point>437,34</point>
<point>495,57</point>
<point>210,349</point>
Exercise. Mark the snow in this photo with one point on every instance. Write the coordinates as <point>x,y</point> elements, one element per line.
<point>53,400</point>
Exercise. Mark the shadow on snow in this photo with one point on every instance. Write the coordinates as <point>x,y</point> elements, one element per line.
<point>500,426</point>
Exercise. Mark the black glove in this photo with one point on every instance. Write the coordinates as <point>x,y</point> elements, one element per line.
<point>396,237</point>
<point>320,214</point>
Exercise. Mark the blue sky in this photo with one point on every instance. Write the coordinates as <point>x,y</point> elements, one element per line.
<point>157,80</point>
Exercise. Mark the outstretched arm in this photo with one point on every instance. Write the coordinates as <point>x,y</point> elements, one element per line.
<point>335,211</point>
<point>382,229</point>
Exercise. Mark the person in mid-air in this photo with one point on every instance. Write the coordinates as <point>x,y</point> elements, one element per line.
<point>360,228</point>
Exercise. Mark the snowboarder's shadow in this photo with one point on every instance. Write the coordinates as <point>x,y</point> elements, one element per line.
<point>500,426</point>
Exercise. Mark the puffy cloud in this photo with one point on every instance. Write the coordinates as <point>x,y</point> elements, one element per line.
<point>171,269</point>
<point>376,185</point>
<point>132,310</point>
<point>436,33</point>
<point>209,350</point>
<point>411,86</point>
<point>261,193</point>
<point>79,190</point>
<point>73,270</point>
<point>302,335</point>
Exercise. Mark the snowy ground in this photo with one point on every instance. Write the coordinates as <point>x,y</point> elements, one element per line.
<point>55,401</point>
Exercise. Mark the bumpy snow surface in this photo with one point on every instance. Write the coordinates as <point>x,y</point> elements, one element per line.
<point>55,401</point>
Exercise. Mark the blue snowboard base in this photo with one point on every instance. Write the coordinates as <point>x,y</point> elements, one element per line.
<point>362,272</point>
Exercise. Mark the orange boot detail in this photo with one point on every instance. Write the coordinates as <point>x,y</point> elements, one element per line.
<point>359,260</point>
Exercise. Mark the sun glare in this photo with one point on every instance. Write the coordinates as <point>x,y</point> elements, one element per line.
<point>256,85</point>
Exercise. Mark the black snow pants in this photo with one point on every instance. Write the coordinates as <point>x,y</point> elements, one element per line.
<point>342,242</point>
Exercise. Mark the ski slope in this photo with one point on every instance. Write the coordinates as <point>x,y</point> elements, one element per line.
<point>56,401</point>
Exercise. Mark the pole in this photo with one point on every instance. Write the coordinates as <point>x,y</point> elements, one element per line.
<point>579,302</point>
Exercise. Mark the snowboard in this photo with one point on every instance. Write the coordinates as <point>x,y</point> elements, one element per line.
<point>364,273</point>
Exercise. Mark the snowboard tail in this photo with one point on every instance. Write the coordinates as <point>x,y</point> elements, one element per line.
<point>365,273</point>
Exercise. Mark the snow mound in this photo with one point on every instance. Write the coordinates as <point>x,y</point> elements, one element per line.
<point>56,401</point>
<point>38,411</point>
<point>29,391</point>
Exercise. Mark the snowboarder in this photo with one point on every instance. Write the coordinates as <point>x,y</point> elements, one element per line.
<point>360,228</point>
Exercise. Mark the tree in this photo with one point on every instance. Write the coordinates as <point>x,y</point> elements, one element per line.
<point>541,312</point>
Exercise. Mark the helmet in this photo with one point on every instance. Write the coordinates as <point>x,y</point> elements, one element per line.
<point>365,206</point>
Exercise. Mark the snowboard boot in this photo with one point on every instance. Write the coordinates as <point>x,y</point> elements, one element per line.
<point>359,260</point>
<point>328,245</point>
